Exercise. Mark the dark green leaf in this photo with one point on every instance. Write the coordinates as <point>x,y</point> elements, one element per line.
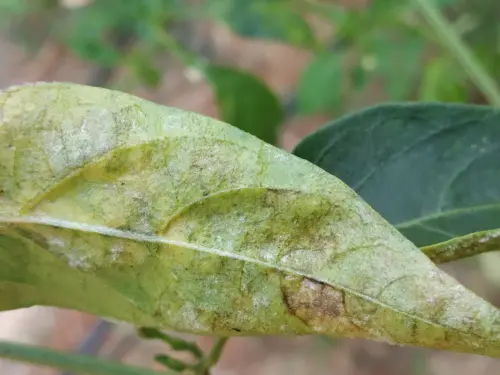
<point>430,169</point>
<point>265,19</point>
<point>320,84</point>
<point>246,102</point>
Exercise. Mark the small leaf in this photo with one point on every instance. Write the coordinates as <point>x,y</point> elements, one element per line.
<point>246,102</point>
<point>430,169</point>
<point>171,363</point>
<point>174,342</point>
<point>320,84</point>
<point>163,218</point>
<point>265,19</point>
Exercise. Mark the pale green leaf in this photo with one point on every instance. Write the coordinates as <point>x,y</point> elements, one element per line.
<point>163,218</point>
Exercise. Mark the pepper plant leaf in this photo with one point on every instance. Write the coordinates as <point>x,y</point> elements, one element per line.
<point>163,218</point>
<point>245,101</point>
<point>430,169</point>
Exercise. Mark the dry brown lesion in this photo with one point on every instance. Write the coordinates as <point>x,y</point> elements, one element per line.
<point>316,304</point>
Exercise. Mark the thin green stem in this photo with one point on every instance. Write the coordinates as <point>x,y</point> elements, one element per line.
<point>216,351</point>
<point>78,363</point>
<point>452,41</point>
<point>213,357</point>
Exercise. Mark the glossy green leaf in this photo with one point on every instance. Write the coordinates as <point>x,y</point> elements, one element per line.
<point>320,84</point>
<point>265,19</point>
<point>430,169</point>
<point>163,218</point>
<point>246,102</point>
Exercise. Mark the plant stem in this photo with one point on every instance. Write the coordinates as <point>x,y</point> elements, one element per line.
<point>213,357</point>
<point>463,247</point>
<point>77,363</point>
<point>452,41</point>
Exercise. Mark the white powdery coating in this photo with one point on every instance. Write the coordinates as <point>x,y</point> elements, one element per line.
<point>116,250</point>
<point>188,317</point>
<point>269,253</point>
<point>261,300</point>
<point>56,242</point>
<point>76,260</point>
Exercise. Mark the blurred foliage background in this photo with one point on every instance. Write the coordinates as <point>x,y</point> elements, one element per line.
<point>384,41</point>
<point>277,69</point>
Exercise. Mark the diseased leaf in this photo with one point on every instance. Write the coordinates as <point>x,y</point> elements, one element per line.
<point>432,170</point>
<point>246,102</point>
<point>163,218</point>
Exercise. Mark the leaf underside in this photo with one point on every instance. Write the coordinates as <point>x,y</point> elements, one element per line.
<point>159,217</point>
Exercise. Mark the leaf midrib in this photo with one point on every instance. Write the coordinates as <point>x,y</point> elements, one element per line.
<point>105,231</point>
<point>444,214</point>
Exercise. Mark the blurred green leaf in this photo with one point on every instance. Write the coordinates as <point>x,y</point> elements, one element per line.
<point>90,31</point>
<point>81,364</point>
<point>398,55</point>
<point>320,86</point>
<point>144,68</point>
<point>443,81</point>
<point>246,102</point>
<point>358,77</point>
<point>432,170</point>
<point>29,22</point>
<point>265,19</point>
<point>87,32</point>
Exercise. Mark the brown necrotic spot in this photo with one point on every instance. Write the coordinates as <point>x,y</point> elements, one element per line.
<point>317,304</point>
